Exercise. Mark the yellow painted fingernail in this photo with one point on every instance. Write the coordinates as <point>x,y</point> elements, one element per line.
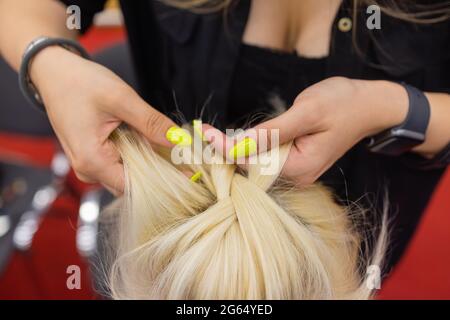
<point>196,176</point>
<point>179,136</point>
<point>243,148</point>
<point>197,125</point>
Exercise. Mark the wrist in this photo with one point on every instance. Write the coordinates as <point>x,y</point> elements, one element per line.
<point>45,61</point>
<point>386,104</point>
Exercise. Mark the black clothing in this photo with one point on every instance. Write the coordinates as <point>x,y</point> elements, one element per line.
<point>195,56</point>
<point>262,75</point>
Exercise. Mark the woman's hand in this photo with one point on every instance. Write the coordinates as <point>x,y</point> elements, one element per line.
<point>330,117</point>
<point>85,102</point>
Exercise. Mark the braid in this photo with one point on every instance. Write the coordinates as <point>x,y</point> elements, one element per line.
<point>232,236</point>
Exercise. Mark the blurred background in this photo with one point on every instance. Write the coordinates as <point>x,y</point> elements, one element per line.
<point>49,220</point>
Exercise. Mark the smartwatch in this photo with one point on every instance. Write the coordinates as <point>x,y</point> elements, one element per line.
<point>410,133</point>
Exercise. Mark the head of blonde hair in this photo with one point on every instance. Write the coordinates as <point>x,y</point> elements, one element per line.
<point>231,235</point>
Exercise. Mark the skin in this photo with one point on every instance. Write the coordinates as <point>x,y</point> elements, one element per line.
<point>86,102</point>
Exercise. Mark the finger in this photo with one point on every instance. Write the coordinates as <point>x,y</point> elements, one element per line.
<point>112,177</point>
<point>241,148</point>
<point>148,121</point>
<point>305,162</point>
<point>194,176</point>
<point>187,173</point>
<point>282,129</point>
<point>84,178</point>
<point>269,134</point>
<point>106,168</point>
<point>216,138</point>
<point>223,144</point>
<point>115,193</point>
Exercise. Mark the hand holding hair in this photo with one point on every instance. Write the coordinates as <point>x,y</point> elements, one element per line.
<point>326,120</point>
<point>85,104</point>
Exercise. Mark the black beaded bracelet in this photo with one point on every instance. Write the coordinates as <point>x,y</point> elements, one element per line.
<point>26,85</point>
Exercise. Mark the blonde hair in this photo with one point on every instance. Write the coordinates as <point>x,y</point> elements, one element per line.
<point>232,235</point>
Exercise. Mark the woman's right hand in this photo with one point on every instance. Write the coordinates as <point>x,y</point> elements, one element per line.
<point>85,102</point>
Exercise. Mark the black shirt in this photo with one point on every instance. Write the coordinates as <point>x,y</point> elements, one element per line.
<point>196,56</point>
<point>265,80</point>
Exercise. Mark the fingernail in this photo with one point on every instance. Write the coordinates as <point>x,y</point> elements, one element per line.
<point>243,148</point>
<point>197,125</point>
<point>179,136</point>
<point>196,176</point>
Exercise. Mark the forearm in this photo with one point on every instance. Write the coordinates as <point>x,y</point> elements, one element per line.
<point>388,103</point>
<point>438,133</point>
<point>21,21</point>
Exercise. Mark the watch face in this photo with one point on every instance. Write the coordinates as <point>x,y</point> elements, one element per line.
<point>397,146</point>
<point>394,143</point>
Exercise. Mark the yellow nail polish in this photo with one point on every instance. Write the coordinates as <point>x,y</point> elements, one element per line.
<point>197,125</point>
<point>244,148</point>
<point>196,176</point>
<point>179,136</point>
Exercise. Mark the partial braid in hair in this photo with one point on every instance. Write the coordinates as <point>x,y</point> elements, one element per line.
<point>232,235</point>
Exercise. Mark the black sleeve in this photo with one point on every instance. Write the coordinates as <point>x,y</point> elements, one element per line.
<point>88,10</point>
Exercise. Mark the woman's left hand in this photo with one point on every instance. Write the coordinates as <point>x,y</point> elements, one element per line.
<point>330,117</point>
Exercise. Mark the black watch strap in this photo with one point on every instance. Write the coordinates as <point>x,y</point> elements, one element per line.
<point>26,86</point>
<point>411,132</point>
<point>418,115</point>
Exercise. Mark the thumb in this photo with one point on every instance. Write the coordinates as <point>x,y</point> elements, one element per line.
<point>261,138</point>
<point>151,123</point>
<point>285,127</point>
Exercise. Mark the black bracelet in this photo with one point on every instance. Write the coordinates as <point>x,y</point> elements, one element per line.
<point>26,86</point>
